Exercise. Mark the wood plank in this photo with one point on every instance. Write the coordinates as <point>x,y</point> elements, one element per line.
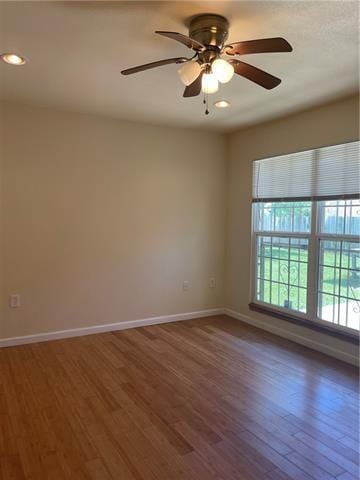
<point>329,453</point>
<point>205,399</point>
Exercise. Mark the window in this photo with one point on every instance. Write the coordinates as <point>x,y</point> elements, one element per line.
<point>282,271</point>
<point>306,249</point>
<point>339,263</point>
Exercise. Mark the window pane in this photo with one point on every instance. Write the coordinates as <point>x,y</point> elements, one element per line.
<point>283,216</point>
<point>341,217</point>
<point>329,253</point>
<point>282,271</point>
<point>339,283</point>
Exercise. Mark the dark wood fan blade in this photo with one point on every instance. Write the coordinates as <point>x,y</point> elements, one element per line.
<point>254,74</point>
<point>187,41</point>
<point>264,45</point>
<point>159,63</point>
<point>194,89</point>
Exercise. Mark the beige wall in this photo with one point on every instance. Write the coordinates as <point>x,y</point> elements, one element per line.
<point>330,124</point>
<point>103,220</point>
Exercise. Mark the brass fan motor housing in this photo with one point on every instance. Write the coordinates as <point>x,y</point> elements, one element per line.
<point>210,30</point>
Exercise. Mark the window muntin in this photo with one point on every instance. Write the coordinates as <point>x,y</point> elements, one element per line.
<point>339,217</point>
<point>282,259</point>
<point>283,216</point>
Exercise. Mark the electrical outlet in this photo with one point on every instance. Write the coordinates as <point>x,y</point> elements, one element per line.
<point>212,282</point>
<point>185,285</point>
<point>15,300</point>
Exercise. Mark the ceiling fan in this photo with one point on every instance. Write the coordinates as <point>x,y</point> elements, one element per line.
<point>213,60</point>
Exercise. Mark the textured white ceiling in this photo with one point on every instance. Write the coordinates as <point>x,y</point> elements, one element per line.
<point>77,49</point>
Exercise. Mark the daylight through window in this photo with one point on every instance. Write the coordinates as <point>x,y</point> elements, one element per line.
<point>306,250</point>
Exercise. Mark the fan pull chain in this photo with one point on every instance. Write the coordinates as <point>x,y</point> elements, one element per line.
<point>206,102</point>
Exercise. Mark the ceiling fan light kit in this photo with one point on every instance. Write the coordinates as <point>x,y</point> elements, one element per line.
<point>207,67</point>
<point>209,83</point>
<point>189,72</point>
<point>223,70</point>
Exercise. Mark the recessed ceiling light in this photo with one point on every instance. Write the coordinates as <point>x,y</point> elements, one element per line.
<point>13,59</point>
<point>222,104</point>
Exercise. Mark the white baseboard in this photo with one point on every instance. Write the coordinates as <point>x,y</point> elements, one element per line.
<point>307,342</point>
<point>78,332</point>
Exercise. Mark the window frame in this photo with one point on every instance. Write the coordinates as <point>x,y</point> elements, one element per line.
<point>315,236</point>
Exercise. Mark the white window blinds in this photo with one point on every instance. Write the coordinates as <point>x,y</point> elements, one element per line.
<point>322,173</point>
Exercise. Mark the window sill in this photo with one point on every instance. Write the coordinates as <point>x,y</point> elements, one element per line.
<point>346,336</point>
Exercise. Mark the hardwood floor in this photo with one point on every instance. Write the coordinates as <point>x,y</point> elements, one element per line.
<point>207,399</point>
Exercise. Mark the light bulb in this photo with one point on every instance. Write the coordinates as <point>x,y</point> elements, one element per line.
<point>12,59</point>
<point>209,83</point>
<point>189,72</point>
<point>222,70</point>
<point>222,104</point>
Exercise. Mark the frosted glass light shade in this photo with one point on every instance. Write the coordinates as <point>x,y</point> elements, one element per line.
<point>209,83</point>
<point>222,70</point>
<point>189,72</point>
